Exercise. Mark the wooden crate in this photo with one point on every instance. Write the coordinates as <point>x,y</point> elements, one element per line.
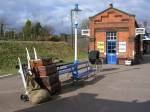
<point>41,62</point>
<point>48,80</point>
<point>48,70</point>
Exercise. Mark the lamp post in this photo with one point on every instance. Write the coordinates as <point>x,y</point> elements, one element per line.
<point>71,27</point>
<point>75,10</point>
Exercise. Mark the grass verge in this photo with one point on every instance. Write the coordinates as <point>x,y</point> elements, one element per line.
<point>11,50</point>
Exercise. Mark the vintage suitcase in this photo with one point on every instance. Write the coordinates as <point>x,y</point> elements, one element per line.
<point>41,62</point>
<point>42,71</point>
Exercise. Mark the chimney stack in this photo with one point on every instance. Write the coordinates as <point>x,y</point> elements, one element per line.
<point>111,5</point>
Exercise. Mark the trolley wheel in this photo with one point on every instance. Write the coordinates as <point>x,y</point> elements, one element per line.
<point>24,97</point>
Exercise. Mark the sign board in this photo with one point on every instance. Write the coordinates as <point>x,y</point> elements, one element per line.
<point>100,46</point>
<point>85,32</point>
<point>139,31</point>
<point>122,47</point>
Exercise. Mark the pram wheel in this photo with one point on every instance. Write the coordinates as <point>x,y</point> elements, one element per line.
<point>24,97</point>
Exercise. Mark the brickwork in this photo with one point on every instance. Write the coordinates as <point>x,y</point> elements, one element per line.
<point>113,20</point>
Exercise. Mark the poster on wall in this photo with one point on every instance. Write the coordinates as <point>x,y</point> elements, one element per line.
<point>122,47</point>
<point>100,46</point>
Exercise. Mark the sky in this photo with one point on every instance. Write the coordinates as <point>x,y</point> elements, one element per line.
<point>56,13</point>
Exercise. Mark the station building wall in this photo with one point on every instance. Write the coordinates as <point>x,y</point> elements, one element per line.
<point>113,20</point>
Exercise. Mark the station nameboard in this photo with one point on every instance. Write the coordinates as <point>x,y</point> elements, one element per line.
<point>85,32</point>
<point>139,31</point>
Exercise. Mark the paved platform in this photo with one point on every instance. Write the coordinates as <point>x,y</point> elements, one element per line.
<point>117,88</point>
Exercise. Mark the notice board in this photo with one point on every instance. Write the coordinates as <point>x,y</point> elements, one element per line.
<point>100,46</point>
<point>122,47</point>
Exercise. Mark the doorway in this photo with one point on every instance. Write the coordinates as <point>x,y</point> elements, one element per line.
<point>111,56</point>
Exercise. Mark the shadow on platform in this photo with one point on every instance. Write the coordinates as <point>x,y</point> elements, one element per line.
<point>69,86</point>
<point>109,69</point>
<point>85,102</point>
<point>146,59</point>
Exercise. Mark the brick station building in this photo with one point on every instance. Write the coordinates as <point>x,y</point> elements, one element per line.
<point>112,32</point>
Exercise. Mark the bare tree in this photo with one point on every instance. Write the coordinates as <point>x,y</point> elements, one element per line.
<point>3,24</point>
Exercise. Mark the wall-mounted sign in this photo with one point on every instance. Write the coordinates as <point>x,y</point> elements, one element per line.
<point>100,46</point>
<point>85,32</point>
<point>139,31</point>
<point>122,47</point>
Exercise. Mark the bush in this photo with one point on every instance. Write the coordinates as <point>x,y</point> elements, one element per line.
<point>55,38</point>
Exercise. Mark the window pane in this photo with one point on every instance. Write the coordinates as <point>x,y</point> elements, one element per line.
<point>109,51</point>
<point>113,43</point>
<point>113,47</point>
<point>109,47</point>
<point>108,34</point>
<point>113,51</point>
